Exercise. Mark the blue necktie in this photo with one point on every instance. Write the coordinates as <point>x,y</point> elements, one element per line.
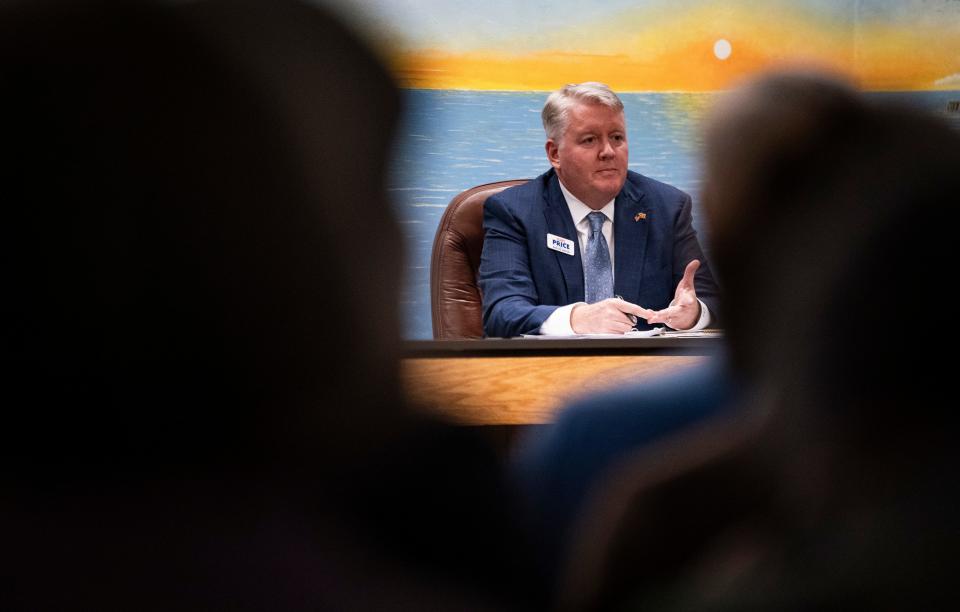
<point>597,275</point>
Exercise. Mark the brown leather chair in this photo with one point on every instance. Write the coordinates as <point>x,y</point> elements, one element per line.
<point>454,295</point>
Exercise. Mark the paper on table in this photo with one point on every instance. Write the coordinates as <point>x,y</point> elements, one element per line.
<point>703,333</point>
<point>647,333</point>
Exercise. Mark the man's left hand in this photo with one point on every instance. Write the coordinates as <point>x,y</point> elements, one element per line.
<point>684,311</point>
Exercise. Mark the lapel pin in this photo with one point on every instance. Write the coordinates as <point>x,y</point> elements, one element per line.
<point>639,216</point>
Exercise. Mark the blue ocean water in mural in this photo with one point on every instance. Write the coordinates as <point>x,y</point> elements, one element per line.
<point>453,140</point>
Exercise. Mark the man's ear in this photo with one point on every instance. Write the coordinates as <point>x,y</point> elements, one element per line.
<point>553,149</point>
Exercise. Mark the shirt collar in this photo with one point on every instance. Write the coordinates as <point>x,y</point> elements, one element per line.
<point>579,210</point>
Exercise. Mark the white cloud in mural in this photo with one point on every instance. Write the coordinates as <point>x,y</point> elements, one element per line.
<point>952,80</point>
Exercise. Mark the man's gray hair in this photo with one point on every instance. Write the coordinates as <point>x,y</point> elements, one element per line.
<point>556,112</point>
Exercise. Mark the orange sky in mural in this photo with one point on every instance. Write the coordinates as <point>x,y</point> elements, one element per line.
<point>640,51</point>
<point>890,58</point>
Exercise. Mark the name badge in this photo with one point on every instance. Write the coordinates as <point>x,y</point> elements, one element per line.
<point>564,245</point>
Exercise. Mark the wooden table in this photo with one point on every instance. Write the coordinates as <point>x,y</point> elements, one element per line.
<point>524,381</point>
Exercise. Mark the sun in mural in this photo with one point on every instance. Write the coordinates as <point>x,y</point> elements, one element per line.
<point>722,49</point>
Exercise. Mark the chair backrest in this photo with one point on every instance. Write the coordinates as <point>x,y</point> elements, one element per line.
<point>455,301</point>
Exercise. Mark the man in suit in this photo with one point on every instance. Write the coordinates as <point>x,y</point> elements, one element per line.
<point>588,246</point>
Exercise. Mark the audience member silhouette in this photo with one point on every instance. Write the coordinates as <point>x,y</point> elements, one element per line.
<point>830,486</point>
<point>557,469</point>
<point>200,332</point>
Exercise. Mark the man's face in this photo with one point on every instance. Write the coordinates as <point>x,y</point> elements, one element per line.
<point>591,156</point>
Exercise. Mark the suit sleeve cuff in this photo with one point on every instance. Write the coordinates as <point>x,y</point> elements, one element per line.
<point>558,323</point>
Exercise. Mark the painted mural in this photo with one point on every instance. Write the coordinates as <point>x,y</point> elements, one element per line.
<point>475,74</point>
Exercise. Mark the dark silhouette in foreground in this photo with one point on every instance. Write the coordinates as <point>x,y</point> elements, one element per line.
<point>829,486</point>
<point>200,332</point>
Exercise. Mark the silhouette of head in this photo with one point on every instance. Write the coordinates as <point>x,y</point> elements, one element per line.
<point>200,263</point>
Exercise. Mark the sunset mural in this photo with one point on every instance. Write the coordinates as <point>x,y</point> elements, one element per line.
<point>655,45</point>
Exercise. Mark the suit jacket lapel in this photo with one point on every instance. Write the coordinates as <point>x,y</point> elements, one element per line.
<point>630,230</point>
<point>559,223</point>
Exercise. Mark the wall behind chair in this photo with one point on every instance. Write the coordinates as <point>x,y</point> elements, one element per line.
<point>476,73</point>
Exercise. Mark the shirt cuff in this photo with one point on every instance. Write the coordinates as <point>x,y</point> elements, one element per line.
<point>704,319</point>
<point>558,323</point>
